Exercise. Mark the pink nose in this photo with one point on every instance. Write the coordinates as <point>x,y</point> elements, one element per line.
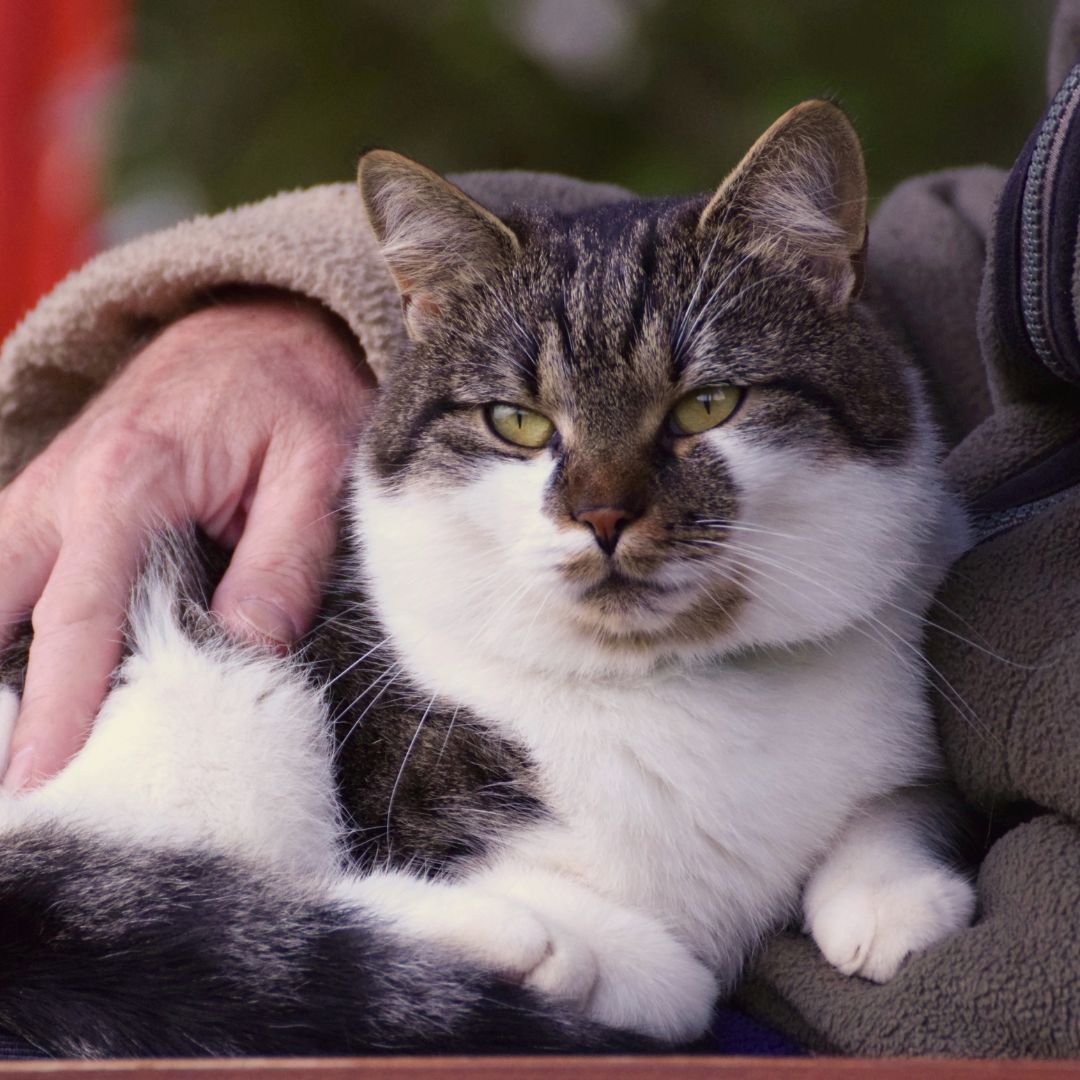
<point>607,524</point>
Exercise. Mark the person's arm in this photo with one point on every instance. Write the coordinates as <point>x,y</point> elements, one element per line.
<point>238,417</point>
<point>225,413</point>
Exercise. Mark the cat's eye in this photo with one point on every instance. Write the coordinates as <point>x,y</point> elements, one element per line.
<point>519,426</point>
<point>704,409</point>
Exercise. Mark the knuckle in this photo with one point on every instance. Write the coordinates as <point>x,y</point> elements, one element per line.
<point>288,578</point>
<point>18,540</point>
<point>40,472</point>
<point>25,494</point>
<point>320,456</point>
<point>323,456</point>
<point>71,604</point>
<point>64,713</point>
<point>127,457</point>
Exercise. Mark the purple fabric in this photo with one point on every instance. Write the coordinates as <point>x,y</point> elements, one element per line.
<point>732,1032</point>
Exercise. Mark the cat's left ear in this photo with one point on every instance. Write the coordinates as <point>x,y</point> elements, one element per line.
<point>435,239</point>
<point>799,198</point>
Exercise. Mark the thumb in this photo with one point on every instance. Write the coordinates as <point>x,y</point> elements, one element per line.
<point>274,582</point>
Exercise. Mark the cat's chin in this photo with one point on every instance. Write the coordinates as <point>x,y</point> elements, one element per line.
<point>629,615</point>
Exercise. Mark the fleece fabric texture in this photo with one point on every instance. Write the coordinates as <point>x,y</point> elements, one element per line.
<point>314,243</point>
<point>1004,643</point>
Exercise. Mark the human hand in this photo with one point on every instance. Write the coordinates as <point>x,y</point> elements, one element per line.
<point>238,417</point>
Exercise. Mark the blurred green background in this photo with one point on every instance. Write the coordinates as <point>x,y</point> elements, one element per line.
<point>229,100</point>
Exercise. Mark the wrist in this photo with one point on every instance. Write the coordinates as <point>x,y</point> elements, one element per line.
<point>240,315</point>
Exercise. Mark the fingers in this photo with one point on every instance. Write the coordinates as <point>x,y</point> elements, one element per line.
<point>274,582</point>
<point>228,401</point>
<point>77,644</point>
<point>25,564</point>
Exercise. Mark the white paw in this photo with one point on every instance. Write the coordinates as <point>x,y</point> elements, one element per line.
<point>513,940</point>
<point>495,933</point>
<point>648,981</point>
<point>616,965</point>
<point>658,988</point>
<point>868,928</point>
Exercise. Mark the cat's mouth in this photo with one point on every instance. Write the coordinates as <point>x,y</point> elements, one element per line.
<point>620,604</point>
<point>643,598</point>
<point>644,613</point>
<point>618,585</point>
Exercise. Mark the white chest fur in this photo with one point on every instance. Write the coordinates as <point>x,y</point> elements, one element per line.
<point>702,797</point>
<point>701,792</point>
<point>705,792</point>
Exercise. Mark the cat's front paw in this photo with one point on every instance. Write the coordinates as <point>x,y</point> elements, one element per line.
<point>517,943</point>
<point>648,980</point>
<point>868,928</point>
<point>496,933</point>
<point>655,986</point>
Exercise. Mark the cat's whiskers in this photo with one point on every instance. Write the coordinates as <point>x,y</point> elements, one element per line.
<point>536,615</point>
<point>404,763</point>
<point>334,512</point>
<point>707,578</point>
<point>732,301</point>
<point>921,617</point>
<point>943,684</point>
<point>680,335</point>
<point>914,564</point>
<point>753,558</point>
<point>389,667</point>
<point>511,360</point>
<point>687,334</point>
<point>446,738</point>
<point>394,671</point>
<point>488,619</point>
<point>359,660</point>
<point>872,628</point>
<point>825,533</point>
<point>926,621</point>
<point>527,337</point>
<point>719,232</point>
<point>754,569</point>
<point>343,614</point>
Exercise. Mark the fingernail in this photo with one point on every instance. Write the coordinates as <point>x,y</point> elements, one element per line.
<point>267,620</point>
<point>19,771</point>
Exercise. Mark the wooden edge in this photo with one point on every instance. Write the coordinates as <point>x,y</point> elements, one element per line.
<point>567,1068</point>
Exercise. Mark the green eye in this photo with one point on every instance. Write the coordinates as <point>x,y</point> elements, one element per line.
<point>519,426</point>
<point>704,409</point>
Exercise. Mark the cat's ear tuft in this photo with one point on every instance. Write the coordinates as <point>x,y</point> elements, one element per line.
<point>435,239</point>
<point>799,196</point>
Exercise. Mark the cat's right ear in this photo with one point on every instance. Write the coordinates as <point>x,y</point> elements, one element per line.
<point>435,239</point>
<point>798,198</point>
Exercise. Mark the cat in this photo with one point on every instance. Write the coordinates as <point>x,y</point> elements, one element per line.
<point>624,666</point>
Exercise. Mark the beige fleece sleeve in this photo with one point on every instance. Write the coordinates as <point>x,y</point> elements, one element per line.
<point>312,242</point>
<point>315,243</point>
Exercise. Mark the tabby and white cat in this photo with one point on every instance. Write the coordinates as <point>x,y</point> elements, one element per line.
<point>626,664</point>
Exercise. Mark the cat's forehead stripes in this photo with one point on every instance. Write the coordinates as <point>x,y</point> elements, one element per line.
<point>601,302</point>
<point>603,319</point>
<point>634,310</point>
<point>587,327</point>
<point>610,269</point>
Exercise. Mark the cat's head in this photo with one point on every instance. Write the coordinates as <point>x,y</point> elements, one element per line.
<point>657,427</point>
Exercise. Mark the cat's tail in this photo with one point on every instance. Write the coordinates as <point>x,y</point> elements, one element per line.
<point>109,951</point>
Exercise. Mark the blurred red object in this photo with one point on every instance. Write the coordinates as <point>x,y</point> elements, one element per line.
<point>58,61</point>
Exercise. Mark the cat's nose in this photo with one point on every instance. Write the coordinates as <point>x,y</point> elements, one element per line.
<point>607,524</point>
